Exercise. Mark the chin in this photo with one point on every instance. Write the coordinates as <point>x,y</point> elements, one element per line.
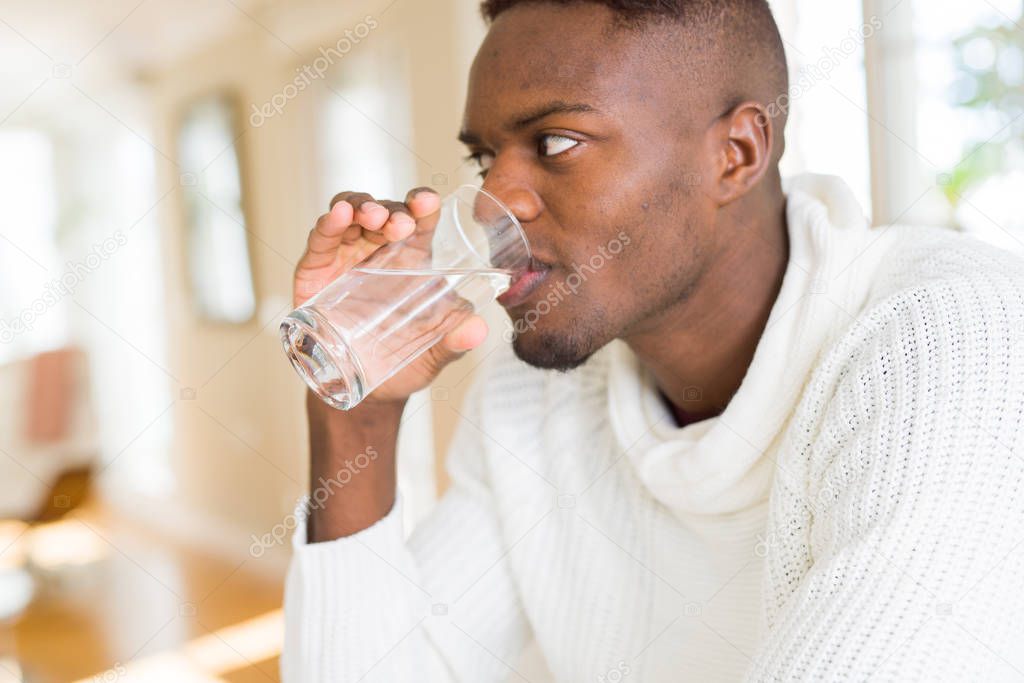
<point>562,341</point>
<point>548,353</point>
<point>554,350</point>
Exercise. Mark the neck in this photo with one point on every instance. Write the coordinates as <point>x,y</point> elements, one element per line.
<point>700,349</point>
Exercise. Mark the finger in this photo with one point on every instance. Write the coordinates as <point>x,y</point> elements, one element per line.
<point>400,223</point>
<point>468,335</point>
<point>425,205</point>
<point>367,211</point>
<point>352,234</point>
<point>353,198</point>
<point>327,235</point>
<point>422,201</point>
<point>357,235</point>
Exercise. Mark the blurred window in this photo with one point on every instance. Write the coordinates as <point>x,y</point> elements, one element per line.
<point>932,129</point>
<point>827,130</point>
<point>31,317</point>
<point>220,274</point>
<point>367,129</point>
<point>970,66</point>
<point>366,145</point>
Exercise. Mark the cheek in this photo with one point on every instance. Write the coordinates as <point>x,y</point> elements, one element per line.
<point>660,255</point>
<point>600,271</point>
<point>628,231</point>
<point>603,282</point>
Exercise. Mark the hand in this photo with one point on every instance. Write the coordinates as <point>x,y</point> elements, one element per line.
<point>355,227</point>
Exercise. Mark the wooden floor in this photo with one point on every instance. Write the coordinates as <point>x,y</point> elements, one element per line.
<point>115,603</point>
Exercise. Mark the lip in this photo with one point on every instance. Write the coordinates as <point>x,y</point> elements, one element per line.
<point>523,285</point>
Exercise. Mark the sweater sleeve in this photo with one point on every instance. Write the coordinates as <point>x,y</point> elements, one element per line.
<point>913,501</point>
<point>438,607</point>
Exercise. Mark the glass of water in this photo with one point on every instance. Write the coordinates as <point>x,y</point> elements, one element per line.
<point>390,308</point>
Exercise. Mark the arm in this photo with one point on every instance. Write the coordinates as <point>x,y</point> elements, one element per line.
<point>337,438</point>
<point>371,606</point>
<point>916,529</point>
<point>360,603</point>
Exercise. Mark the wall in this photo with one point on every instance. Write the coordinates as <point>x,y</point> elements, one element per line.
<point>239,450</point>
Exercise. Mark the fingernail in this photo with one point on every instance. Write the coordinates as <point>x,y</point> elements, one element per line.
<point>370,206</point>
<point>418,191</point>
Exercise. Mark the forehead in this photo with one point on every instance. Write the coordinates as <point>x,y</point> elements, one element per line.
<point>542,52</point>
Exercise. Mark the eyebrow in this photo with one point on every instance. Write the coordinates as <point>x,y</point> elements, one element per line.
<point>532,116</point>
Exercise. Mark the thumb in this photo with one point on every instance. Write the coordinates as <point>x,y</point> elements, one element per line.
<point>470,333</point>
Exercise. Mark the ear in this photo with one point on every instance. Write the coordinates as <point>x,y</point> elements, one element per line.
<point>743,140</point>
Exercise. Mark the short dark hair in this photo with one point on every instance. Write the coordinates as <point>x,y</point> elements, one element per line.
<point>631,11</point>
<point>745,24</point>
<point>635,12</point>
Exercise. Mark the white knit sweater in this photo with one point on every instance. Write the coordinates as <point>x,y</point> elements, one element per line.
<point>856,513</point>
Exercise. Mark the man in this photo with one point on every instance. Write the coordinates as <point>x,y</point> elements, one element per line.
<point>789,447</point>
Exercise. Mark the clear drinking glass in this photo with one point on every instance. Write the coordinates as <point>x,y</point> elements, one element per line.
<point>387,310</point>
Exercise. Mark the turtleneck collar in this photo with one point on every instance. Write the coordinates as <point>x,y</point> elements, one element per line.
<point>724,464</point>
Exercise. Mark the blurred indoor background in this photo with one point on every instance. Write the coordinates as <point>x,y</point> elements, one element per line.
<point>160,165</point>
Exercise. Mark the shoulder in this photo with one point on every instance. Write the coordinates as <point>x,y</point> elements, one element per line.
<point>931,257</point>
<point>938,298</point>
<point>931,371</point>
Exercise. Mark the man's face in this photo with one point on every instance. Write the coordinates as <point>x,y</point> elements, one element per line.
<point>598,145</point>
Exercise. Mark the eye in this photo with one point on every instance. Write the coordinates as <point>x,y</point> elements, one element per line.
<point>483,160</point>
<point>551,145</point>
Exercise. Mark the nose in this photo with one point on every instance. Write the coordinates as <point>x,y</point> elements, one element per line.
<point>515,192</point>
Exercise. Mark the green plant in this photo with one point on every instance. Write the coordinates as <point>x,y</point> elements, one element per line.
<point>992,86</point>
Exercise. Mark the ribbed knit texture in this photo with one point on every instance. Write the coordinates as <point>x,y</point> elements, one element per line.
<point>856,513</point>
